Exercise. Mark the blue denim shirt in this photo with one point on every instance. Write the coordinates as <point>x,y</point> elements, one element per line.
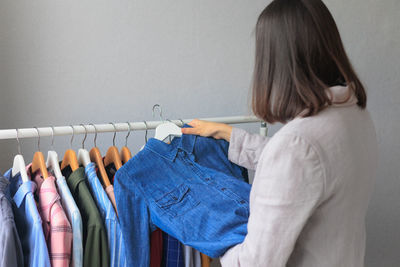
<point>189,189</point>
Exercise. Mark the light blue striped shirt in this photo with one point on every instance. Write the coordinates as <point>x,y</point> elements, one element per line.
<point>110,218</point>
<point>74,216</point>
<point>27,220</point>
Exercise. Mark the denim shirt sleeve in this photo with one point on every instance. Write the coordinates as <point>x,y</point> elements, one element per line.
<point>245,148</point>
<point>136,227</point>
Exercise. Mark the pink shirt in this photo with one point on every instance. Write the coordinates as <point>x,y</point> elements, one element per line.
<point>111,196</point>
<point>57,229</point>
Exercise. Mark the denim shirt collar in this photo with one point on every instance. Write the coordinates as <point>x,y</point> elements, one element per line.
<point>168,151</point>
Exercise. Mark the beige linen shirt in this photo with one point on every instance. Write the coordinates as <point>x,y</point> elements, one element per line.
<point>312,185</point>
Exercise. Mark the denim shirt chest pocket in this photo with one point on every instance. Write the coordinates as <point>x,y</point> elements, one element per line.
<point>178,201</point>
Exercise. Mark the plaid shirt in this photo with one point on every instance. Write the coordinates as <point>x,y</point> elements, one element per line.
<point>172,252</point>
<point>74,216</point>
<point>57,229</point>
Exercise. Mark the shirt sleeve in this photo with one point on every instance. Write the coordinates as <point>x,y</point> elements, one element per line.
<point>98,247</point>
<point>245,148</point>
<point>134,219</point>
<point>288,187</point>
<point>11,250</point>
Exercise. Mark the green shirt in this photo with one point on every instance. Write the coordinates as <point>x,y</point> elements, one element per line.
<point>95,246</point>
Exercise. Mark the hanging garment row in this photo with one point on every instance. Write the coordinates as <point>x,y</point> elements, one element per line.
<point>171,202</point>
<point>64,213</point>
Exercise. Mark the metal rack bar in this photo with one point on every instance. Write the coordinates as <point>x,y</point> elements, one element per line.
<point>119,127</point>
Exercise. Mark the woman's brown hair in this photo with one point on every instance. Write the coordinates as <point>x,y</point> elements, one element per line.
<point>299,53</point>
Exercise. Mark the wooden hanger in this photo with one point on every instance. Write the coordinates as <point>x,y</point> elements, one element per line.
<point>112,155</point>
<point>38,162</point>
<point>95,156</point>
<point>70,158</point>
<point>126,154</point>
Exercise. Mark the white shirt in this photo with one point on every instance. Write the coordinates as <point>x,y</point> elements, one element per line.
<point>312,185</point>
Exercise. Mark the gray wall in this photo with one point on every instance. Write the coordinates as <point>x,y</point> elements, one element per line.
<point>64,62</point>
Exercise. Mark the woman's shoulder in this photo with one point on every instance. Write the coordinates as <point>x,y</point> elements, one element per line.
<point>329,125</point>
<point>339,136</point>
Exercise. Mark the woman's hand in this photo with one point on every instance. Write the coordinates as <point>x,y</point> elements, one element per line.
<point>208,128</point>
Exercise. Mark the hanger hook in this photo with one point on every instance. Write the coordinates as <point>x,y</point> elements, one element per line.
<point>95,134</point>
<point>181,122</point>
<point>84,139</point>
<point>52,137</point>
<point>159,107</point>
<point>72,137</point>
<point>115,132</point>
<point>129,132</point>
<point>145,135</point>
<point>19,144</point>
<point>38,143</point>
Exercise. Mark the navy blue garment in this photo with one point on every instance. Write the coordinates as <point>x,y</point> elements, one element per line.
<point>172,252</point>
<point>189,189</point>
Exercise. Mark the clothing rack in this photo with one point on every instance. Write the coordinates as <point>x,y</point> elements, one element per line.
<point>116,127</point>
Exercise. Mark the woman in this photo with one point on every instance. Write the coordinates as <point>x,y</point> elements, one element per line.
<point>315,176</point>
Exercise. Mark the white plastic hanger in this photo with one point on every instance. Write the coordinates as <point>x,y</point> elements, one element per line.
<point>83,154</point>
<point>19,164</point>
<point>52,158</point>
<point>166,128</point>
<point>145,135</point>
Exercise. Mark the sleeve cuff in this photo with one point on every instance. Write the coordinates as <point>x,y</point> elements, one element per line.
<point>236,144</point>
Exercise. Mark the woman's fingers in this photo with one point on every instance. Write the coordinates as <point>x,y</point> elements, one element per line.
<point>196,127</point>
<point>208,128</point>
<point>194,122</point>
<point>189,130</point>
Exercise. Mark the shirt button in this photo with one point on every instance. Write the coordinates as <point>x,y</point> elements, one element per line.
<point>223,189</point>
<point>242,201</point>
<point>207,179</point>
<point>174,198</point>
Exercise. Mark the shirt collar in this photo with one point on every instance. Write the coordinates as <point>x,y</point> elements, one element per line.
<point>340,96</point>
<point>90,170</point>
<point>168,151</point>
<point>23,187</point>
<point>76,178</point>
<point>48,195</point>
<point>23,190</point>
